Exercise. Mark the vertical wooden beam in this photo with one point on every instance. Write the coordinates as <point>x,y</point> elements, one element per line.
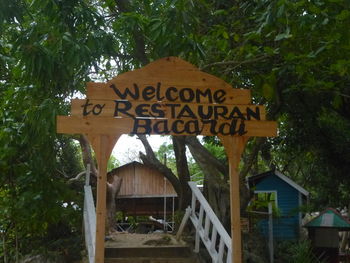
<point>234,147</point>
<point>270,232</point>
<point>103,146</point>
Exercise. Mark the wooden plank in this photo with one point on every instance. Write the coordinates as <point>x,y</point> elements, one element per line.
<point>103,145</point>
<point>234,147</point>
<point>110,125</point>
<point>167,91</point>
<point>123,108</point>
<point>102,160</point>
<point>169,71</point>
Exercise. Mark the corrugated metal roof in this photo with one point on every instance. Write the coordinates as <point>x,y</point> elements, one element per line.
<point>329,218</point>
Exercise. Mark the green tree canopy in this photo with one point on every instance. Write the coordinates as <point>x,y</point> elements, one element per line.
<point>291,54</point>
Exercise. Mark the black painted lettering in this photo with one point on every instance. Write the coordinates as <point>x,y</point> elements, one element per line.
<point>219,96</point>
<point>161,127</point>
<point>97,109</point>
<point>220,111</point>
<point>241,129</point>
<point>236,113</point>
<point>186,112</point>
<point>224,131</point>
<point>159,97</point>
<point>205,94</point>
<point>141,110</point>
<point>142,126</point>
<point>255,114</point>
<point>156,111</point>
<point>172,109</point>
<point>192,127</point>
<point>122,106</point>
<point>148,93</point>
<point>212,124</point>
<point>176,127</point>
<point>127,92</point>
<point>186,95</point>
<point>168,94</point>
<point>205,115</point>
<point>233,127</point>
<point>85,108</point>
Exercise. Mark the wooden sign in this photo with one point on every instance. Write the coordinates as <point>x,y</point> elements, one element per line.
<point>170,97</point>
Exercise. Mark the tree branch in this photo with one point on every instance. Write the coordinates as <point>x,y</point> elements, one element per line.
<point>194,144</point>
<point>182,169</point>
<point>140,46</point>
<point>87,154</point>
<point>233,62</point>
<point>151,160</point>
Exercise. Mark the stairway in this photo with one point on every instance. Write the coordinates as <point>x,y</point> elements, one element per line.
<point>151,248</point>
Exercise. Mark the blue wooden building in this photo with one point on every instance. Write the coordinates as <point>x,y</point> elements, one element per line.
<point>286,196</point>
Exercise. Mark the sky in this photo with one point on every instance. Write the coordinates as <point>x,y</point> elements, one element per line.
<point>128,147</point>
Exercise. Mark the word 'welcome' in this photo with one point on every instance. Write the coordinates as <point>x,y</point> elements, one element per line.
<point>148,93</point>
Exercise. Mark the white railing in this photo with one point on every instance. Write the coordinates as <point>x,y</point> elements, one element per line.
<point>89,218</point>
<point>208,228</point>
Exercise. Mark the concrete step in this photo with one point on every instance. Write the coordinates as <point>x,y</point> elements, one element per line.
<point>163,252</point>
<point>154,248</point>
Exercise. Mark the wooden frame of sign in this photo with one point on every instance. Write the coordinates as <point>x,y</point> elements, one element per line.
<point>171,97</point>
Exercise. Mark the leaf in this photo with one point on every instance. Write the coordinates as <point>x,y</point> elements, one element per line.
<point>343,15</point>
<point>285,35</point>
<point>337,101</point>
<point>268,91</point>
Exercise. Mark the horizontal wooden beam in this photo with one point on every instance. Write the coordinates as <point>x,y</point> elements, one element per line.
<point>110,125</point>
<point>133,109</point>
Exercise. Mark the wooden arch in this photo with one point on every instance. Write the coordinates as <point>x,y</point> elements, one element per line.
<point>171,97</point>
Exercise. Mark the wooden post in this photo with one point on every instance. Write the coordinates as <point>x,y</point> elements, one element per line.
<point>234,147</point>
<point>103,146</point>
<point>270,233</point>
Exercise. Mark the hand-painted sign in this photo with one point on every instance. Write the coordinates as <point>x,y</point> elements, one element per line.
<point>169,96</point>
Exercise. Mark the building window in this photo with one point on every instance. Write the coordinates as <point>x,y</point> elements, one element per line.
<point>262,199</point>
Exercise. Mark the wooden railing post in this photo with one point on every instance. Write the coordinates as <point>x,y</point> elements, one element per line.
<point>218,231</point>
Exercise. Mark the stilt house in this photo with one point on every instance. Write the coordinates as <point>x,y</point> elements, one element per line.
<point>144,191</point>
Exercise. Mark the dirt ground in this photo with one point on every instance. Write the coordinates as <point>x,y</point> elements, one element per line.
<point>142,240</point>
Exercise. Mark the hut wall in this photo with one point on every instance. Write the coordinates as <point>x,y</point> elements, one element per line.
<point>142,181</point>
<point>286,227</point>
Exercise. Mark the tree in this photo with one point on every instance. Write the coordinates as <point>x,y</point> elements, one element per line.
<point>291,54</point>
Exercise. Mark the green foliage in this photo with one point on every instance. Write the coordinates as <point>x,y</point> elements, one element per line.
<point>296,252</point>
<point>166,153</point>
<point>291,54</point>
<point>112,163</point>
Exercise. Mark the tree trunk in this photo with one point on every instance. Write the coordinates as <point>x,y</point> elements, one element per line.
<point>151,160</point>
<point>215,178</point>
<point>182,170</point>
<point>113,189</point>
<point>87,154</point>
